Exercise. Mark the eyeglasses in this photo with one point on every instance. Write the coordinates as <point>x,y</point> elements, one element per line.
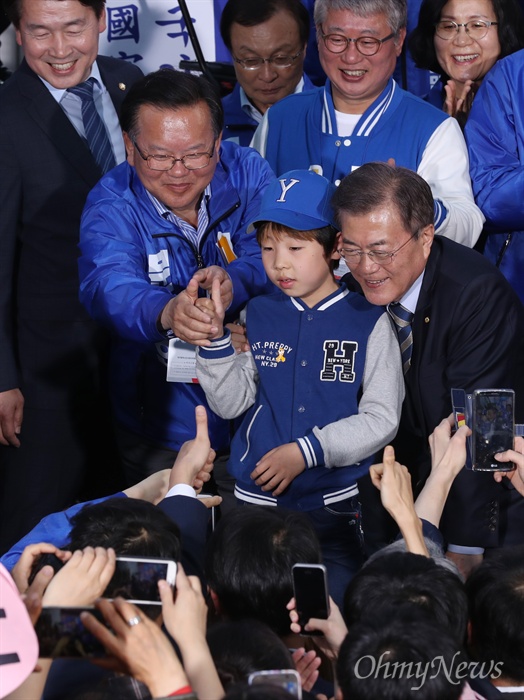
<point>366,45</point>
<point>381,257</point>
<point>279,61</point>
<point>192,161</point>
<point>475,28</point>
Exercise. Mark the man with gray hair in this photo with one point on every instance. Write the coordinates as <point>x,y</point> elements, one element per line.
<point>361,115</point>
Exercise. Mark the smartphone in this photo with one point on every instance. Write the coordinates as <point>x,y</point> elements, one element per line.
<point>286,678</point>
<point>61,634</point>
<point>493,428</point>
<point>311,594</point>
<point>135,579</point>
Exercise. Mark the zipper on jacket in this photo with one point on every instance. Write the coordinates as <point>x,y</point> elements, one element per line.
<point>173,234</point>
<point>210,227</point>
<point>196,251</point>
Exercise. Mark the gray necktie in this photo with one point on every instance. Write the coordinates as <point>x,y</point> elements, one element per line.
<point>96,133</point>
<point>403,320</point>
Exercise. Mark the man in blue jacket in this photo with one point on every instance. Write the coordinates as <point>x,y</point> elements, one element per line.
<point>267,42</point>
<point>176,212</point>
<point>495,138</point>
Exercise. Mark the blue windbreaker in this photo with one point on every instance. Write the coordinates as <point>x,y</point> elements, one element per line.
<point>132,262</point>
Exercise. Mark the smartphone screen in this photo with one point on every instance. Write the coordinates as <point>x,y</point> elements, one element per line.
<point>135,579</point>
<point>493,428</point>
<point>61,633</point>
<point>288,679</point>
<point>311,593</point>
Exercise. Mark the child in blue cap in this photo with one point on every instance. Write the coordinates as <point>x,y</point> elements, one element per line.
<point>322,385</point>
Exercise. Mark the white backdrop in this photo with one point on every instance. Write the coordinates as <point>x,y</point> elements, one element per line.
<point>152,33</point>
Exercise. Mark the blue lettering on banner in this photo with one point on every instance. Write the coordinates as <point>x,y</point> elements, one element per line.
<point>122,23</point>
<point>180,21</point>
<point>134,57</point>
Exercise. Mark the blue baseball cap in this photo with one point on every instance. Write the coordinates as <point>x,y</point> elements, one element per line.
<point>298,199</point>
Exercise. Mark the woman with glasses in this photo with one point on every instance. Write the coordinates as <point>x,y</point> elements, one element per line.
<point>461,40</point>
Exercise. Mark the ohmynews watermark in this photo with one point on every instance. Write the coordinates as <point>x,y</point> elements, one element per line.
<point>456,672</point>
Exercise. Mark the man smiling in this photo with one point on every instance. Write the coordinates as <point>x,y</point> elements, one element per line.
<point>51,387</point>
<point>361,115</point>
<point>268,44</point>
<point>174,215</point>
<point>467,331</point>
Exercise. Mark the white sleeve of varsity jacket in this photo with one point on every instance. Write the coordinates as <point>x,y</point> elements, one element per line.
<point>356,437</point>
<point>230,382</point>
<point>445,167</point>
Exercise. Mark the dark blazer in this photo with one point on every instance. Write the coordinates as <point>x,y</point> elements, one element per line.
<point>49,347</point>
<point>192,517</point>
<point>468,332</point>
<point>46,173</point>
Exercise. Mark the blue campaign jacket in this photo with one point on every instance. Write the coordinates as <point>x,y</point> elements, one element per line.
<point>303,134</point>
<point>306,134</point>
<point>495,138</point>
<point>299,389</point>
<point>132,262</point>
<point>238,125</point>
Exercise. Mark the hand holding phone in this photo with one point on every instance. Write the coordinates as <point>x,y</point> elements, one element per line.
<point>136,579</point>
<point>311,594</point>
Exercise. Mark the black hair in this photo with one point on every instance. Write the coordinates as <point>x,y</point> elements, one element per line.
<point>241,647</point>
<point>409,580</point>
<point>249,13</point>
<point>421,43</point>
<point>249,560</point>
<point>375,185</point>
<point>128,525</point>
<point>325,236</point>
<point>400,659</point>
<point>13,9</point>
<point>496,609</point>
<point>171,89</point>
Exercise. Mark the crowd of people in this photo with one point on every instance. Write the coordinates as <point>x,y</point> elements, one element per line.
<point>241,315</point>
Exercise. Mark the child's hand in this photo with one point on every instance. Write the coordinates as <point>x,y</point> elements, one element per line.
<point>278,467</point>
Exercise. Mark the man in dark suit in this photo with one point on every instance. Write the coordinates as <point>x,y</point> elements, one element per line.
<point>54,425</point>
<point>467,332</point>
